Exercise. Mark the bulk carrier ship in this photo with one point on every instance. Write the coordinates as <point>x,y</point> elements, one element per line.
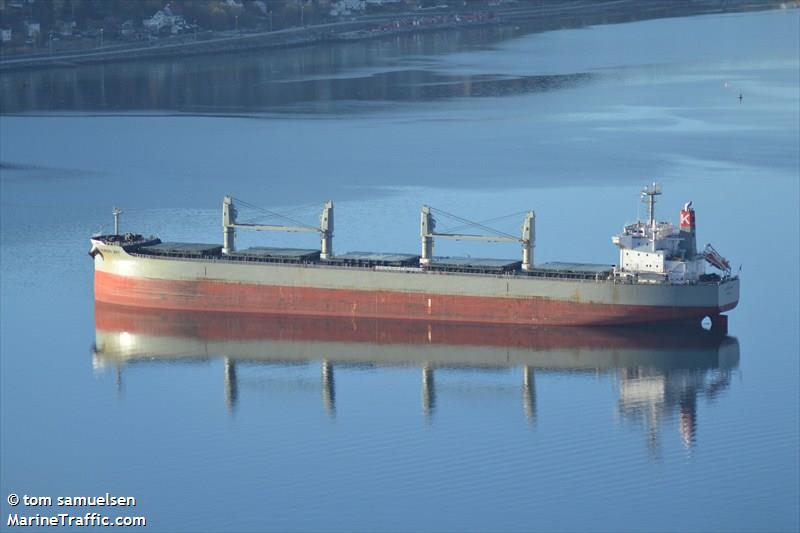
<point>660,277</point>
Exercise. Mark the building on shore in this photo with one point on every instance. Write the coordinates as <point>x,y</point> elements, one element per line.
<point>32,29</point>
<point>165,19</point>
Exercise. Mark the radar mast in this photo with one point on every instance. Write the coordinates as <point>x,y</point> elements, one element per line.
<point>649,194</point>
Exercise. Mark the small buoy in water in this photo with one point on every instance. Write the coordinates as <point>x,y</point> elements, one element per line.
<point>740,97</point>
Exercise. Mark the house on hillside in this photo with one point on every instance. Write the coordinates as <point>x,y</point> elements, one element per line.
<point>128,29</point>
<point>65,28</point>
<point>32,29</point>
<point>347,7</point>
<point>165,19</point>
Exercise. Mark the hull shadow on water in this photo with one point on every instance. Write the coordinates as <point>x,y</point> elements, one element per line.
<point>660,371</point>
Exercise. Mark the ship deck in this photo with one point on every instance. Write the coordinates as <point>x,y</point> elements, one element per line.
<point>153,247</point>
<point>371,260</point>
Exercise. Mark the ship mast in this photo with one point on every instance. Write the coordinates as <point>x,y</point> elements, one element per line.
<point>116,212</point>
<point>650,192</point>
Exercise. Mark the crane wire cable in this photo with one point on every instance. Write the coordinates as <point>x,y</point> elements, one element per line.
<point>274,214</point>
<point>496,219</point>
<point>475,224</point>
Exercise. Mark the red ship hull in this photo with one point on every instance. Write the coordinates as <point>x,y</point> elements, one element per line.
<point>218,296</point>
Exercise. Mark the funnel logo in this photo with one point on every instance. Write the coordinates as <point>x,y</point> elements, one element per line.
<point>687,218</point>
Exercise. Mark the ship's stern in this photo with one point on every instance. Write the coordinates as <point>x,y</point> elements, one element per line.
<point>728,294</point>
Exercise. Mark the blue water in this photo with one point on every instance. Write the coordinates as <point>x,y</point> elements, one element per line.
<point>570,123</point>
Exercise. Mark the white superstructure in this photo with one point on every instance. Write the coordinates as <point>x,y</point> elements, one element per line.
<point>657,252</point>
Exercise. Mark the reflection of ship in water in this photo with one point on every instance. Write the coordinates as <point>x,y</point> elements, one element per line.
<point>660,370</point>
<point>650,396</point>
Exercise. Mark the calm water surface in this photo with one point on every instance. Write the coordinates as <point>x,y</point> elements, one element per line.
<point>221,424</point>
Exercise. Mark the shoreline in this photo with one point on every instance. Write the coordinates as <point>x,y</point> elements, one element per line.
<point>548,16</point>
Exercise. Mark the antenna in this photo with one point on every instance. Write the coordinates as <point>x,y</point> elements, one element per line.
<point>649,194</point>
<point>116,212</point>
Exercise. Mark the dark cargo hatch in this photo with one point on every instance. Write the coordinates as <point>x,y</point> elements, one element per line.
<point>474,264</point>
<point>276,255</point>
<point>182,249</point>
<point>370,259</point>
